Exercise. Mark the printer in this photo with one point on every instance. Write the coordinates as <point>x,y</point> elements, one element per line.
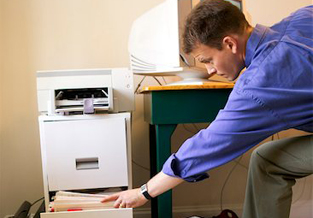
<point>85,91</point>
<point>85,134</point>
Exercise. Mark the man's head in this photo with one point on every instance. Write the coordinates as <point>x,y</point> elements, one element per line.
<point>216,34</point>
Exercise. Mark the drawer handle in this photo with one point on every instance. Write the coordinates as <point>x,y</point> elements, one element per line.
<point>87,163</point>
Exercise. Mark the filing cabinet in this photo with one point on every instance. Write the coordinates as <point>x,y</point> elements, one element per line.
<point>82,152</point>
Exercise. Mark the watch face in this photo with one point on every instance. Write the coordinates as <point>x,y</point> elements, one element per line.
<point>143,188</point>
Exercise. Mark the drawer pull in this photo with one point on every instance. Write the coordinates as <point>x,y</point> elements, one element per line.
<point>87,163</point>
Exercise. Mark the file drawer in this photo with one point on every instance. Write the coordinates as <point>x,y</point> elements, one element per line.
<point>104,213</point>
<point>86,154</point>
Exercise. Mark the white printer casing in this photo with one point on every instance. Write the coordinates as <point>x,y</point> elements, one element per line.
<point>118,81</point>
<point>85,151</point>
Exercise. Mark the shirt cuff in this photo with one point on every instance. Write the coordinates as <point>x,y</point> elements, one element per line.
<point>172,168</point>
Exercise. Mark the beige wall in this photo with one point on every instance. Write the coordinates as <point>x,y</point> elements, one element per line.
<point>68,34</point>
<point>40,35</point>
<point>19,144</point>
<point>1,31</point>
<point>268,12</point>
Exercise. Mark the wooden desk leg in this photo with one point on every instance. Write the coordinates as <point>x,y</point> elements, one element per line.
<point>160,150</point>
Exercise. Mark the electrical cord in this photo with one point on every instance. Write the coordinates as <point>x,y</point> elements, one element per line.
<point>226,180</point>
<point>164,80</point>
<point>237,162</point>
<point>197,129</point>
<point>188,130</point>
<point>240,164</point>
<point>195,126</point>
<point>139,84</point>
<point>184,59</point>
<point>156,79</point>
<point>139,165</point>
<point>36,201</point>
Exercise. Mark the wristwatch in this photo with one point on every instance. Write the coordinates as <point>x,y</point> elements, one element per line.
<point>144,191</point>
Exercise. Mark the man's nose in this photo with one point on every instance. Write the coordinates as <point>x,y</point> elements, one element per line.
<point>211,70</point>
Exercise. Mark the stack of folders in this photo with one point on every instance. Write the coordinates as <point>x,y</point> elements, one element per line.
<point>71,201</point>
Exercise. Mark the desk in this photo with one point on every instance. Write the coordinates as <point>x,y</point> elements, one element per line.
<point>167,106</point>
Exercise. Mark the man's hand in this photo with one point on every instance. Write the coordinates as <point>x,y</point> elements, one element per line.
<point>127,199</point>
<point>159,184</point>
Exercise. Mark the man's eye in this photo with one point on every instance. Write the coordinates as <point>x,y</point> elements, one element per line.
<point>207,61</point>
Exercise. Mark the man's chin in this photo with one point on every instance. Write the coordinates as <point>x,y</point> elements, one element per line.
<point>231,79</point>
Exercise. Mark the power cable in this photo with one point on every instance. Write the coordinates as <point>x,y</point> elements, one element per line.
<point>139,84</point>
<point>164,80</point>
<point>139,165</point>
<point>188,130</point>
<point>226,180</point>
<point>156,79</point>
<point>37,201</point>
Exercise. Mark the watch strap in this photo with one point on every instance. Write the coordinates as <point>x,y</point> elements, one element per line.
<point>144,191</point>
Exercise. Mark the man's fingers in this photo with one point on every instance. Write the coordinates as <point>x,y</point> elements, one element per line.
<point>117,203</point>
<point>129,205</point>
<point>126,199</point>
<point>110,198</point>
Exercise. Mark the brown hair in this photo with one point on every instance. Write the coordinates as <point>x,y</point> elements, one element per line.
<point>209,22</point>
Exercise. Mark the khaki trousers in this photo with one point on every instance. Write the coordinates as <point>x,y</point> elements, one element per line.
<point>274,168</point>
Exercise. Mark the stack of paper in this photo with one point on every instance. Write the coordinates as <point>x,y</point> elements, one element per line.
<point>69,201</point>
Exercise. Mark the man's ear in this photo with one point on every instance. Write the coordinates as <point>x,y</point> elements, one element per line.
<point>231,43</point>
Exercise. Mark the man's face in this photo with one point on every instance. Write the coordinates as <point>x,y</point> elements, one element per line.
<point>225,62</point>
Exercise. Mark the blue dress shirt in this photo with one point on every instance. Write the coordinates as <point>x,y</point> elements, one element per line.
<point>274,93</point>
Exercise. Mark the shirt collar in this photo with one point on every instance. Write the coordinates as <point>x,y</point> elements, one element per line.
<point>254,40</point>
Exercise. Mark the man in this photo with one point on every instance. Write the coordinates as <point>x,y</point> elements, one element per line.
<point>274,93</point>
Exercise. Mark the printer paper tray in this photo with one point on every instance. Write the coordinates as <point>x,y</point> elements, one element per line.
<point>69,109</point>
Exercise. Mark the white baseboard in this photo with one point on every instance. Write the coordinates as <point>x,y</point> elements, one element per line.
<point>185,211</point>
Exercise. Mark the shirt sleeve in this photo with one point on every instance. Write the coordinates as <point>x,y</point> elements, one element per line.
<point>243,123</point>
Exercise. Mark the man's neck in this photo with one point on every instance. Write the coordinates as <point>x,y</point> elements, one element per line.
<point>244,40</point>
